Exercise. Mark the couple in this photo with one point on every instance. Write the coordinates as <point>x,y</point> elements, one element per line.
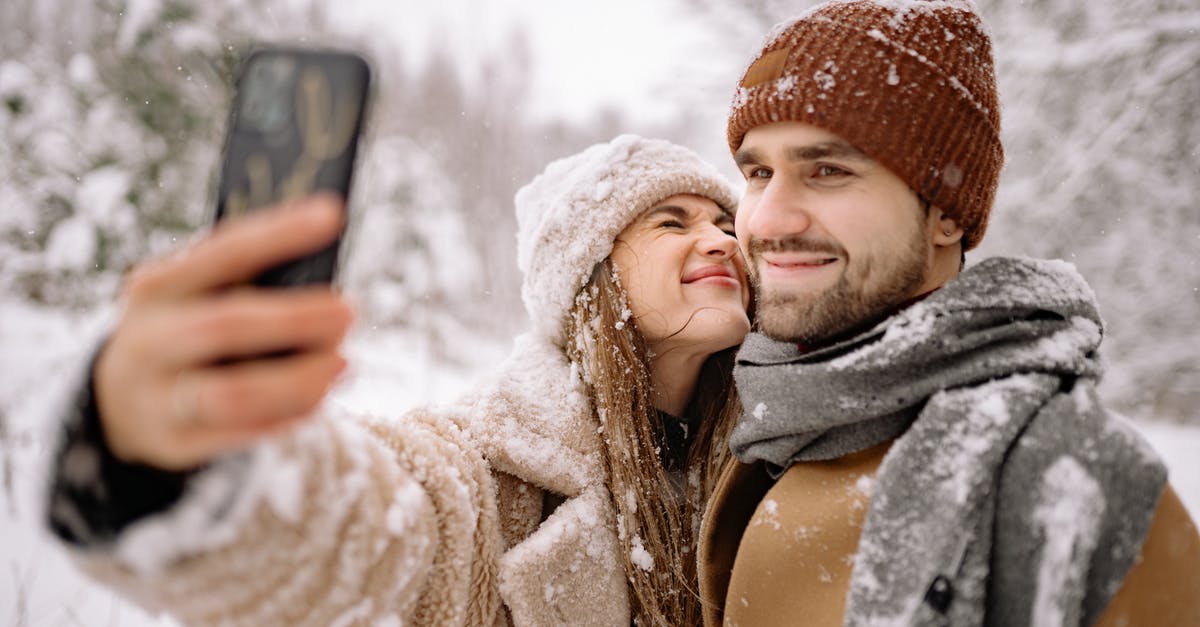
<point>914,444</point>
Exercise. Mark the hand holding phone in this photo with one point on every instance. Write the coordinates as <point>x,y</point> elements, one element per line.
<point>294,128</point>
<point>182,378</point>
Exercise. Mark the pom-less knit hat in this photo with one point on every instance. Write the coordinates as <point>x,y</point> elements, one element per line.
<point>569,215</point>
<point>909,82</point>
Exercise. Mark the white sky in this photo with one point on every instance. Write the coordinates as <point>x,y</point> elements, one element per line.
<point>588,55</point>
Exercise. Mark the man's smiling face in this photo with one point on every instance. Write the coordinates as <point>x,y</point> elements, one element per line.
<point>834,240</point>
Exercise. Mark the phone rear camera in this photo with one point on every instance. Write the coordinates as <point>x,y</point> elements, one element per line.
<point>267,90</point>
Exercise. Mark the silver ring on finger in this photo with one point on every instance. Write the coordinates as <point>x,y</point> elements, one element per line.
<point>185,401</point>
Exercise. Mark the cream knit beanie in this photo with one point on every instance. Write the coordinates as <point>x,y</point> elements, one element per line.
<point>569,215</point>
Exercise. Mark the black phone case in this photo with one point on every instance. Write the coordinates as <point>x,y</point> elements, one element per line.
<point>294,127</point>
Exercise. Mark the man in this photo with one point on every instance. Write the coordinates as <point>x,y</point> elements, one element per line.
<point>921,445</point>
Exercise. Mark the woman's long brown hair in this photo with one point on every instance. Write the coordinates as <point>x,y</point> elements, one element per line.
<point>658,520</point>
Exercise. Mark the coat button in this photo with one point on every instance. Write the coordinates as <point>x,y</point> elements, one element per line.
<point>940,594</point>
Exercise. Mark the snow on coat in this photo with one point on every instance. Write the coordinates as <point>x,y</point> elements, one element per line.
<point>431,519</point>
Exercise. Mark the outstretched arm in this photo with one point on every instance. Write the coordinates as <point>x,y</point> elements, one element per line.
<point>171,490</point>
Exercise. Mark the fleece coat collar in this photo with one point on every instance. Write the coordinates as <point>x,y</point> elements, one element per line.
<point>534,422</point>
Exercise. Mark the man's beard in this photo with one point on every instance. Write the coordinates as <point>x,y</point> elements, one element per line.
<point>850,305</point>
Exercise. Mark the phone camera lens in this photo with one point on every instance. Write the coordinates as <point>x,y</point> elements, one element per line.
<point>267,92</point>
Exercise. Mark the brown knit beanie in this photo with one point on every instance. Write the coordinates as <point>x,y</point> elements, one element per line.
<point>909,82</point>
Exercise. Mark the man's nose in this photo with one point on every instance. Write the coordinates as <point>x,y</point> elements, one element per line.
<point>779,211</point>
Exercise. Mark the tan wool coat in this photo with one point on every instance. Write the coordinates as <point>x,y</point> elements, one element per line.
<point>437,518</point>
<point>814,516</point>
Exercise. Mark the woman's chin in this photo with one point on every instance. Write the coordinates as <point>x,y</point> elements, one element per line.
<point>719,329</point>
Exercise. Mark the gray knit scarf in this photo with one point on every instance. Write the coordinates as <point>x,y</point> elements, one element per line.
<point>1010,496</point>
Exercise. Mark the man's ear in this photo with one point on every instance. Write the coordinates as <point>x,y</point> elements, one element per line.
<point>946,231</point>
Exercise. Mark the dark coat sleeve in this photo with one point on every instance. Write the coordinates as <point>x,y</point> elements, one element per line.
<point>93,494</point>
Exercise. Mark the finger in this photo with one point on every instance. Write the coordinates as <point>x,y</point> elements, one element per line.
<point>249,322</point>
<point>262,391</point>
<point>238,249</point>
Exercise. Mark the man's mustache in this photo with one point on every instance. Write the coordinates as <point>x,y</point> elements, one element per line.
<point>796,244</point>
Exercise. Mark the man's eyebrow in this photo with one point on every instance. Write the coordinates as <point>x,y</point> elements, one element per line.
<point>806,152</point>
<point>825,150</point>
<point>746,155</point>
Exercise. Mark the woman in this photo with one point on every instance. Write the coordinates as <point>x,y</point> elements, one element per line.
<point>567,491</point>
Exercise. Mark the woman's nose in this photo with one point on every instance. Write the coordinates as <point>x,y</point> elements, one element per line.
<point>714,242</point>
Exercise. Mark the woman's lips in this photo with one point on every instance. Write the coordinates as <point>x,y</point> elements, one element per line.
<point>711,275</point>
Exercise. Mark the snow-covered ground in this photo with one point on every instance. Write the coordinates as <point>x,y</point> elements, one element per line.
<point>40,351</point>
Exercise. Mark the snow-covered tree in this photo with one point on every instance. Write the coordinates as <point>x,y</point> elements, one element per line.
<point>1101,131</point>
<point>112,134</point>
<point>104,131</point>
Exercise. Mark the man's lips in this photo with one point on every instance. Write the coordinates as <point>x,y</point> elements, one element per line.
<point>794,264</point>
<point>798,261</point>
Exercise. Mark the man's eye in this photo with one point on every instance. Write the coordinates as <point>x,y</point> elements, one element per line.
<point>829,170</point>
<point>758,173</point>
<point>670,224</point>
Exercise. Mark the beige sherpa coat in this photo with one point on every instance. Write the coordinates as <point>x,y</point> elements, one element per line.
<point>432,519</point>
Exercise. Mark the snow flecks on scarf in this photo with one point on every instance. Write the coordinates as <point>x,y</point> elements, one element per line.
<point>998,370</point>
<point>1000,317</point>
<point>1064,347</point>
<point>994,284</point>
<point>1119,427</point>
<point>919,525</point>
<point>1053,284</point>
<point>1067,515</point>
<point>956,467</point>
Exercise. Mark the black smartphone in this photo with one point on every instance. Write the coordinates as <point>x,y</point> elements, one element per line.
<point>294,127</point>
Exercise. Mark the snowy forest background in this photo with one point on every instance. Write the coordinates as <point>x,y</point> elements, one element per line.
<point>112,111</point>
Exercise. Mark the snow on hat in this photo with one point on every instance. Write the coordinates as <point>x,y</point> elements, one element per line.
<point>909,82</point>
<point>569,215</point>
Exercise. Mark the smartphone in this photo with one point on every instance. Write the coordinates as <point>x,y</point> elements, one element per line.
<point>294,127</point>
